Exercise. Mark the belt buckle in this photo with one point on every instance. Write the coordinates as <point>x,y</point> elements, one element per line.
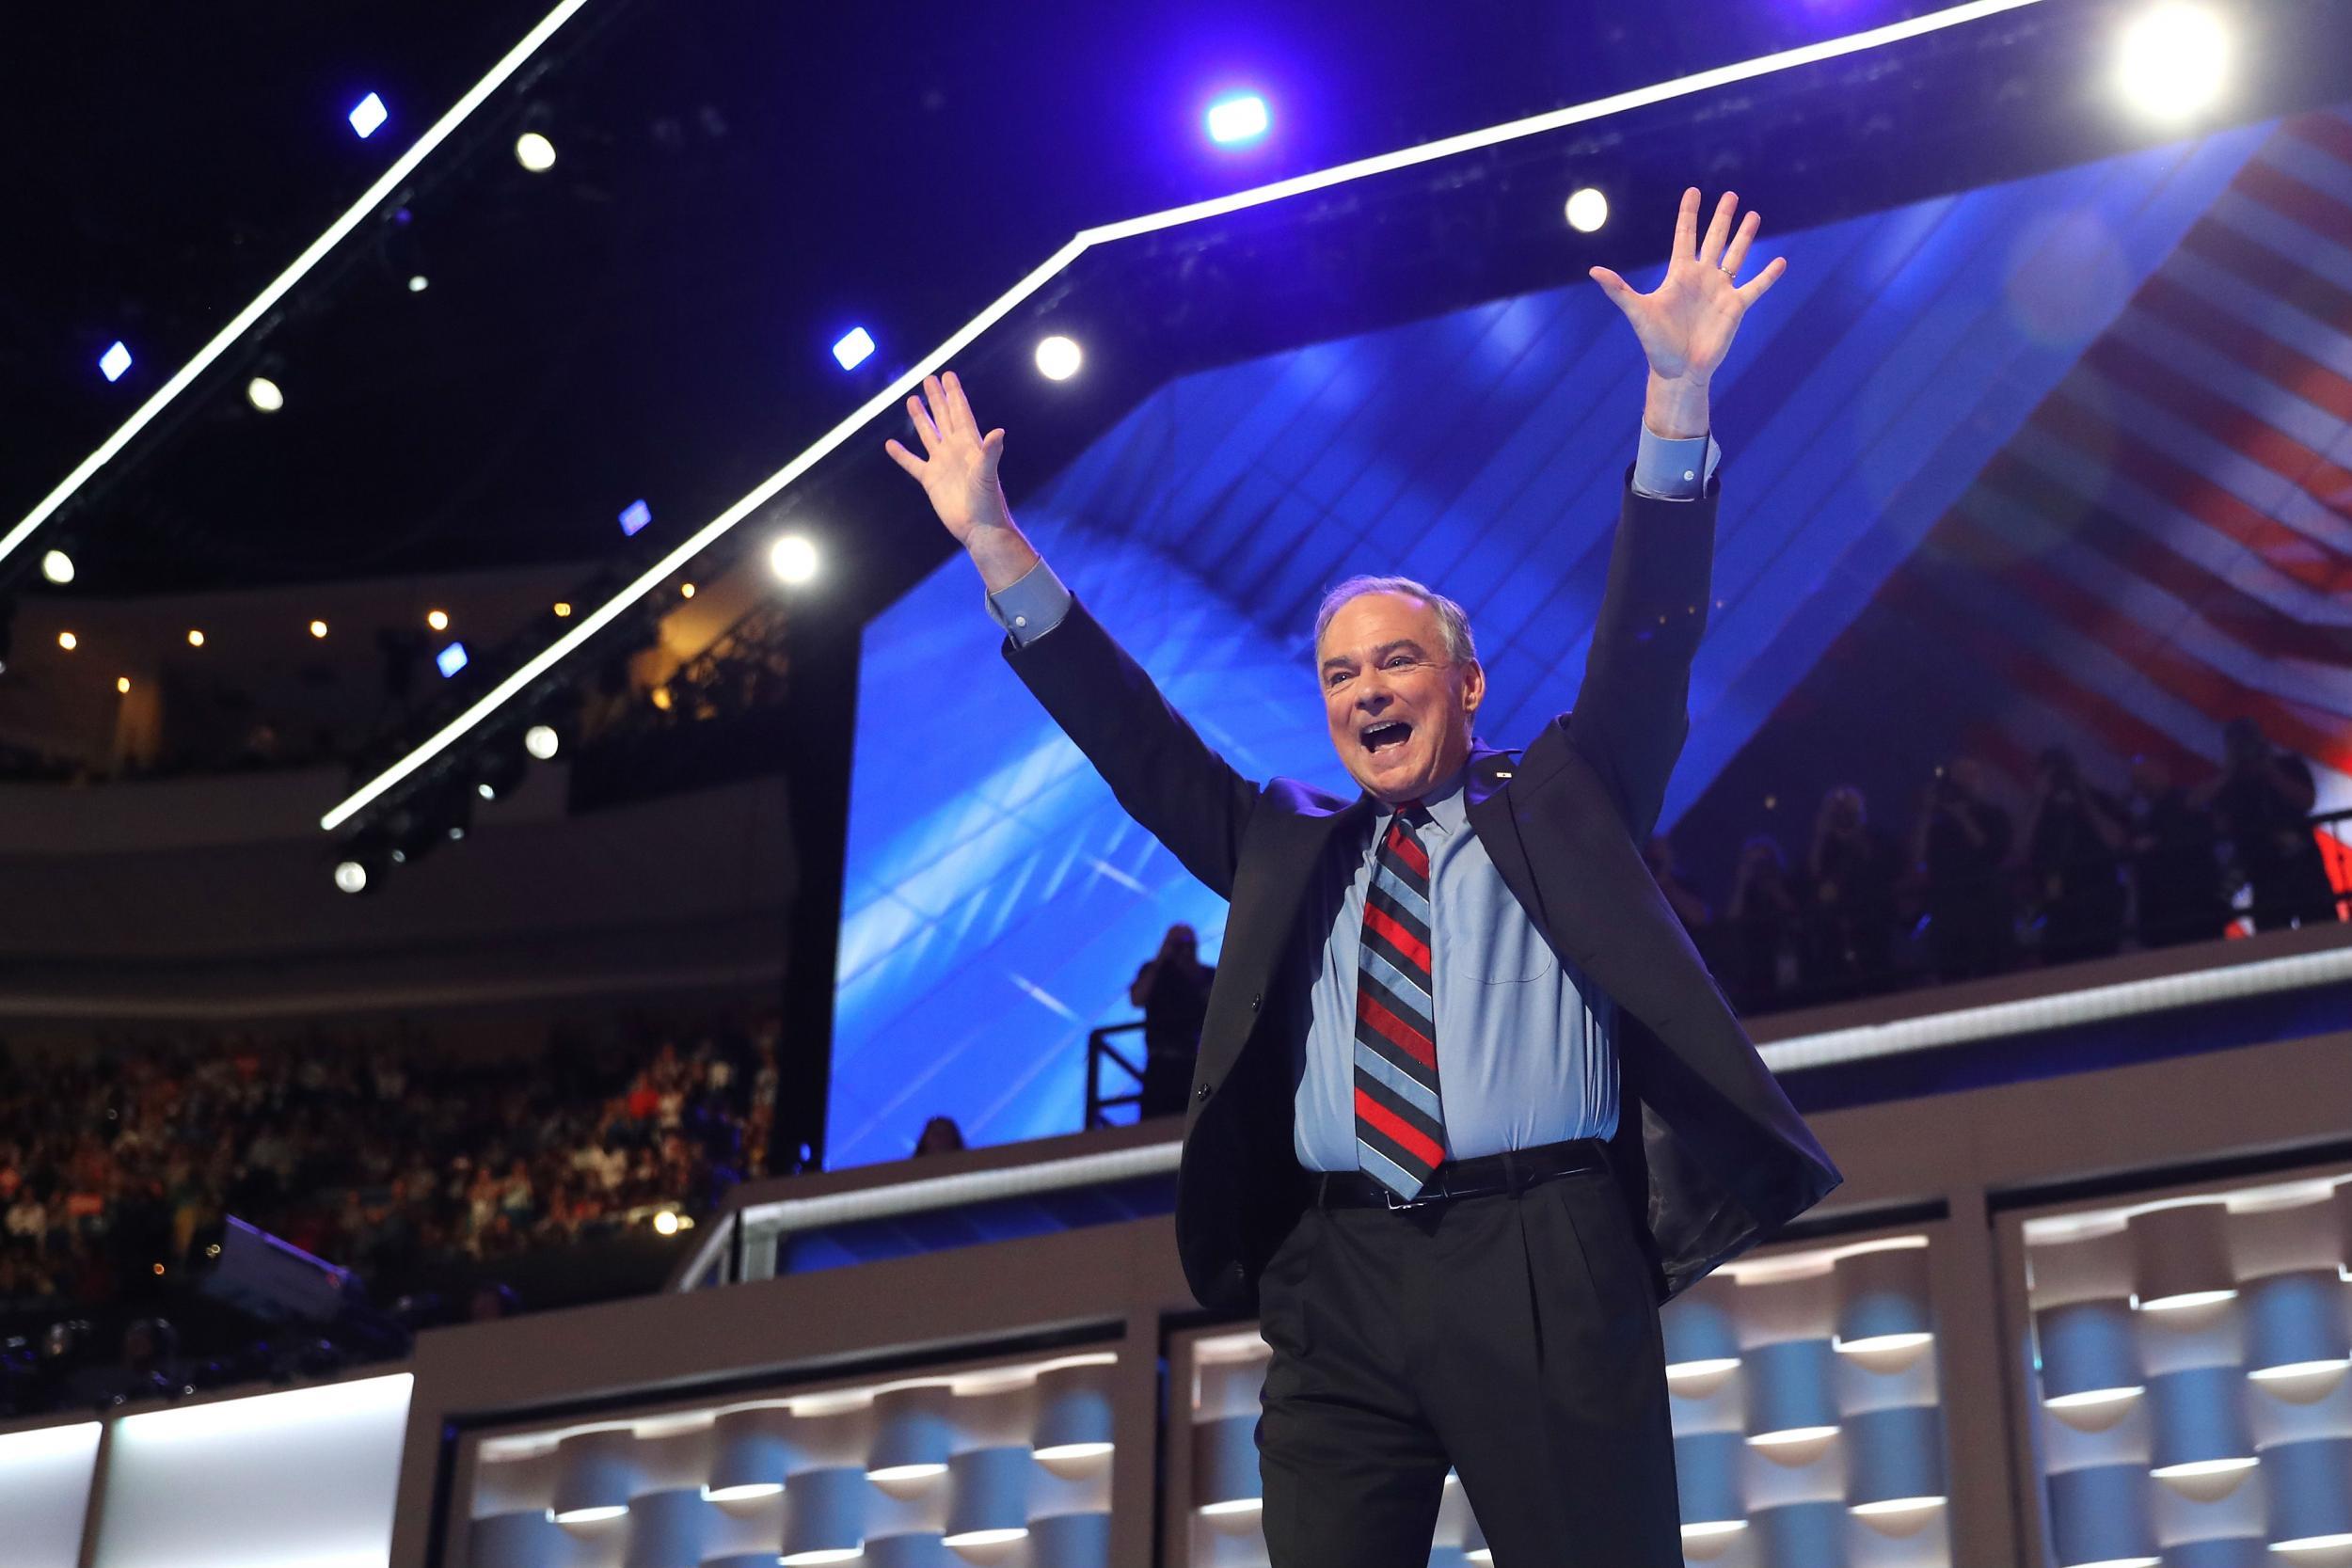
<point>1395,1204</point>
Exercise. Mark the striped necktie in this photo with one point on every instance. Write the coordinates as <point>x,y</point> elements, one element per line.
<point>1400,1129</point>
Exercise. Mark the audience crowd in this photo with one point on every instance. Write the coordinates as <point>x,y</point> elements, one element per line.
<point>378,1152</point>
<point>1970,890</point>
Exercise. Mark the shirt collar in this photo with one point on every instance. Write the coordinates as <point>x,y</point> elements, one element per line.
<point>1448,811</point>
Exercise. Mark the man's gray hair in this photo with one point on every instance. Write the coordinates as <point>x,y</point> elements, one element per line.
<point>1460,647</point>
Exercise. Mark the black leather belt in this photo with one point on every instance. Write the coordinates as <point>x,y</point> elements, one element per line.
<point>1510,1171</point>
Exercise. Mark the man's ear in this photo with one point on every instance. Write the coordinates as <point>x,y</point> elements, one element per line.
<point>1473,686</point>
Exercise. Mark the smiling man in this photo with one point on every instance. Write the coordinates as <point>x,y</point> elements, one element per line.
<point>1467,1107</point>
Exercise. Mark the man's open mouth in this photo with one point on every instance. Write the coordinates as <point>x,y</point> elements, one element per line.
<point>1387,733</point>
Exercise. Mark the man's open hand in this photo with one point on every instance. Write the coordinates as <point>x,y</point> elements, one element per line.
<point>1686,325</point>
<point>958,469</point>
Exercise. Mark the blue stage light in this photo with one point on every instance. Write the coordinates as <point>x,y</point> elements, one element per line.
<point>451,660</point>
<point>635,517</point>
<point>368,116</point>
<point>853,350</point>
<point>1240,118</point>
<point>112,363</point>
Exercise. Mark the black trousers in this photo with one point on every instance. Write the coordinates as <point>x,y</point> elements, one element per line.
<point>1513,1335</point>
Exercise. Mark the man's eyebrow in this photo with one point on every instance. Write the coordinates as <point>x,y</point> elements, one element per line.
<point>1385,648</point>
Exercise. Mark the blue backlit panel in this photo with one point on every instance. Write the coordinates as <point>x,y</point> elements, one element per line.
<point>998,902</point>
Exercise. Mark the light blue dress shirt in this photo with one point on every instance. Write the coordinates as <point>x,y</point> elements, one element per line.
<point>1526,1047</point>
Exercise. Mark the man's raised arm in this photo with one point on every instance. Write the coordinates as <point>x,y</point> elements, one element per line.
<point>1163,774</point>
<point>1631,712</point>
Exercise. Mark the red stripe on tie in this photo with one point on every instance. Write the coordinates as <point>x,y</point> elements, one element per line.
<point>1395,1030</point>
<point>1406,1136</point>
<point>1405,846</point>
<point>1380,920</point>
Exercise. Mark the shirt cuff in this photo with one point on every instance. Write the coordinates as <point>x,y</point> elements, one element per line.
<point>1670,471</point>
<point>1030,606</point>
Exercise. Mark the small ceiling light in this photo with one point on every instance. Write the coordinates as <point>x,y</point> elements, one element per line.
<point>665,1223</point>
<point>437,619</point>
<point>264,394</point>
<point>1237,119</point>
<point>542,741</point>
<point>67,640</point>
<point>58,566</point>
<point>1587,211</point>
<point>855,347</point>
<point>684,590</point>
<point>449,660</point>
<point>351,877</point>
<point>318,628</point>
<point>122,683</point>
<point>534,153</point>
<point>196,638</point>
<point>112,363</point>
<point>634,517</point>
<point>661,698</point>
<point>2174,60</point>
<point>418,283</point>
<point>368,116</point>
<point>792,558</point>
<point>563,609</point>
<point>1058,359</point>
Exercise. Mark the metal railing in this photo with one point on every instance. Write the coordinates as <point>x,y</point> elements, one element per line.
<point>1100,1050</point>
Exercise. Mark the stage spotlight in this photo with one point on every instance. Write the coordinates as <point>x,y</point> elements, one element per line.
<point>318,628</point>
<point>368,116</point>
<point>417,283</point>
<point>58,566</point>
<point>351,877</point>
<point>112,363</point>
<point>2174,61</point>
<point>534,153</point>
<point>855,348</point>
<point>437,619</point>
<point>665,1223</point>
<point>196,638</point>
<point>542,741</point>
<point>264,394</point>
<point>1237,119</point>
<point>634,517</point>
<point>449,660</point>
<point>1587,211</point>
<point>563,609</point>
<point>122,684</point>
<point>684,590</point>
<point>67,640</point>
<point>1058,359</point>
<point>792,558</point>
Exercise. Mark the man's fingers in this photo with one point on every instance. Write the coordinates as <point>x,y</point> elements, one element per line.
<point>960,406</point>
<point>1738,253</point>
<point>929,432</point>
<point>904,458</point>
<point>1620,292</point>
<point>1719,231</point>
<point>993,444</point>
<point>1753,290</point>
<point>1686,225</point>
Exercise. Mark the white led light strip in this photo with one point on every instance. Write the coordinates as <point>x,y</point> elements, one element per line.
<point>1681,86</point>
<point>353,216</point>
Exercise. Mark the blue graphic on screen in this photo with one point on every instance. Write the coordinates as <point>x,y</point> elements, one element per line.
<point>998,903</point>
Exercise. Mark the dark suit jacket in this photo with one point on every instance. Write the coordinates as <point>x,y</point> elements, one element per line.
<point>1709,1155</point>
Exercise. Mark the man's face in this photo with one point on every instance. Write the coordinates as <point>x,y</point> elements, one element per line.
<point>1398,707</point>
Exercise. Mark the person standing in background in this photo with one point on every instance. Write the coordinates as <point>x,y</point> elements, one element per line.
<point>2264,800</point>
<point>1172,989</point>
<point>2176,873</point>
